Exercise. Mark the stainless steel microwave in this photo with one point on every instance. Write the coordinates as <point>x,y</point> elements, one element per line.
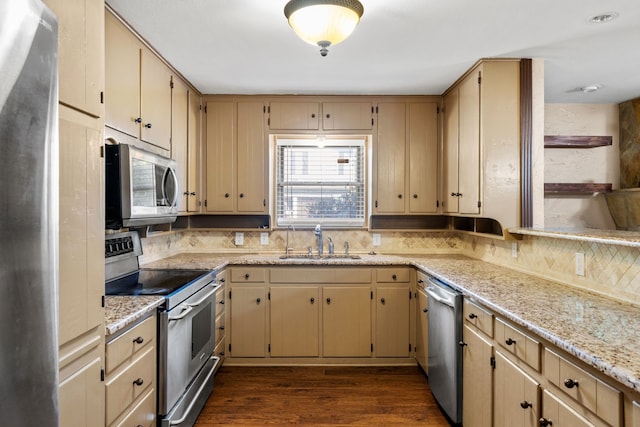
<point>141,187</point>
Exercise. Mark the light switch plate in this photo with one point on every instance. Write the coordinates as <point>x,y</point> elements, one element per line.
<point>264,238</point>
<point>376,239</point>
<point>579,263</point>
<point>239,239</point>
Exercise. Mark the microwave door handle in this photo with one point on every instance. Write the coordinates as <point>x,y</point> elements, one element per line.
<point>169,173</point>
<point>204,298</point>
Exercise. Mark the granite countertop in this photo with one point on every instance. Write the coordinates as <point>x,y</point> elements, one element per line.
<point>600,331</point>
<point>609,237</point>
<point>122,311</point>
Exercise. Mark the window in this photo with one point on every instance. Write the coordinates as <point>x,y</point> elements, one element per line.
<point>320,182</point>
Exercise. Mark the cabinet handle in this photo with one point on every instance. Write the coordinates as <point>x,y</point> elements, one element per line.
<point>138,340</point>
<point>221,302</point>
<point>226,195</point>
<point>420,281</point>
<point>223,280</point>
<point>459,194</point>
<point>569,383</point>
<point>399,196</point>
<point>186,193</point>
<point>138,120</point>
<point>241,195</point>
<point>193,193</point>
<point>509,341</point>
<point>328,300</point>
<point>246,276</point>
<point>424,310</point>
<point>312,300</point>
<point>382,301</point>
<point>139,382</point>
<point>524,404</point>
<point>415,196</point>
<point>258,301</point>
<point>148,125</point>
<point>462,343</point>
<point>545,422</point>
<point>394,277</point>
<point>472,316</point>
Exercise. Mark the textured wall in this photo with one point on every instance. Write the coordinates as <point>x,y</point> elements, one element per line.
<point>630,144</point>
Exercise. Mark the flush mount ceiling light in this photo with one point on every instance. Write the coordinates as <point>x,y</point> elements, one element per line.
<point>603,17</point>
<point>590,88</point>
<point>323,22</point>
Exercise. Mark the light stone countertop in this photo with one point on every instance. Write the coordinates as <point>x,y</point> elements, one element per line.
<point>593,235</point>
<point>123,311</point>
<point>600,331</point>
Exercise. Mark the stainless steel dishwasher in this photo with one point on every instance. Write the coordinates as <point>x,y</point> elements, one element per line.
<point>445,355</point>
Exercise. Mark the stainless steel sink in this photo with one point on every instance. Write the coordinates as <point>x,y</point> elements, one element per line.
<point>317,257</point>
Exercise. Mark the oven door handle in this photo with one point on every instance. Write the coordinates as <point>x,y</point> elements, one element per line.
<point>204,298</point>
<point>193,402</point>
<point>182,314</point>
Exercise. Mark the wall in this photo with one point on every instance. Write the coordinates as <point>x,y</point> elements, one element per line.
<point>568,165</point>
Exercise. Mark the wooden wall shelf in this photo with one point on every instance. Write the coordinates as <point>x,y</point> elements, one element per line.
<point>569,141</point>
<point>576,188</point>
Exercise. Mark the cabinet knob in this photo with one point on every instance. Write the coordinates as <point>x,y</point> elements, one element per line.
<point>328,300</point>
<point>258,301</point>
<point>222,280</point>
<point>509,341</point>
<point>424,310</point>
<point>242,195</point>
<point>193,193</point>
<point>139,382</point>
<point>394,277</point>
<point>221,328</point>
<point>462,343</point>
<point>186,193</point>
<point>313,116</point>
<point>420,281</point>
<point>148,125</point>
<point>138,120</point>
<point>569,383</point>
<point>415,196</point>
<point>399,196</point>
<point>545,422</point>
<point>221,302</point>
<point>138,340</point>
<point>524,404</point>
<point>226,195</point>
<point>313,300</point>
<point>246,276</point>
<point>382,301</point>
<point>472,316</point>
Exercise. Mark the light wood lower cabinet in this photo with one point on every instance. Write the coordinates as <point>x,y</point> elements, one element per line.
<point>422,329</point>
<point>295,321</point>
<point>248,321</point>
<point>346,321</point>
<point>392,322</point>
<point>477,393</point>
<point>517,395</point>
<point>556,413</point>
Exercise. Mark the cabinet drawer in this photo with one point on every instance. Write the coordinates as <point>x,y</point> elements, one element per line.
<point>586,389</point>
<point>557,412</point>
<point>220,300</point>
<point>320,275</point>
<point>123,388</point>
<point>127,344</point>
<point>143,414</point>
<point>219,350</point>
<point>421,280</point>
<point>478,317</point>
<point>220,328</point>
<point>248,274</point>
<point>393,275</point>
<point>524,347</point>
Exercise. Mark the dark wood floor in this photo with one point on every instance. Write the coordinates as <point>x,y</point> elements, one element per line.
<point>321,396</point>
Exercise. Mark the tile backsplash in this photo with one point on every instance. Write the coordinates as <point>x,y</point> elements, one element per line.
<point>611,270</point>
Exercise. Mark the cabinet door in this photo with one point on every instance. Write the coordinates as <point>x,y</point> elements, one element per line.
<point>295,321</point>
<point>390,158</point>
<point>392,322</point>
<point>346,322</point>
<point>450,127</point>
<point>122,77</point>
<point>155,100</point>
<point>179,142</point>
<point>80,53</point>
<point>248,321</point>
<point>469,145</point>
<point>221,137</point>
<point>477,390</point>
<point>422,330</point>
<point>252,158</point>
<point>82,397</point>
<point>193,152</point>
<point>517,395</point>
<point>294,115</point>
<point>561,415</point>
<point>422,154</point>
<point>346,115</point>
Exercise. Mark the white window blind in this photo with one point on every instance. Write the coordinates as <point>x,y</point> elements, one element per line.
<point>320,184</point>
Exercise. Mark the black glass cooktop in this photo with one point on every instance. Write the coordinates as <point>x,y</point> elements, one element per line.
<point>152,282</point>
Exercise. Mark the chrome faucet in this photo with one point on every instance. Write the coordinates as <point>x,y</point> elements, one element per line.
<point>330,246</point>
<point>286,246</point>
<point>318,233</point>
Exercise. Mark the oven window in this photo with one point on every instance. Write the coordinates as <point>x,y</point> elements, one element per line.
<point>201,330</point>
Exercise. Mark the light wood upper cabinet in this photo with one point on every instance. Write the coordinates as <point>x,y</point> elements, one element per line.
<point>392,322</point>
<point>517,395</point>
<point>179,140</point>
<point>406,158</point>
<point>138,87</point>
<point>450,148</point>
<point>346,321</point>
<point>347,115</point>
<point>193,151</point>
<point>81,54</point>
<point>469,144</point>
<point>236,157</point>
<point>295,321</point>
<point>294,115</point>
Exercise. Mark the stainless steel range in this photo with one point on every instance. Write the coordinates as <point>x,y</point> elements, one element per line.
<point>186,326</point>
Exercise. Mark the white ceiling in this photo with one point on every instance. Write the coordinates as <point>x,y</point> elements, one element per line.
<point>400,46</point>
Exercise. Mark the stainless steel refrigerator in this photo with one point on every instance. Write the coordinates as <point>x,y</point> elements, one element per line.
<point>28,214</point>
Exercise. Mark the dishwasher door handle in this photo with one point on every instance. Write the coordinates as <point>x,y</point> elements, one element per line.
<point>431,291</point>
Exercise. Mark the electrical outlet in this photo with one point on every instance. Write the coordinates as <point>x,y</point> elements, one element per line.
<point>579,263</point>
<point>239,239</point>
<point>376,239</point>
<point>514,249</point>
<point>264,238</point>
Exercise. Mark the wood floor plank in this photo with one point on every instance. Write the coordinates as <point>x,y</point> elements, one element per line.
<point>321,396</point>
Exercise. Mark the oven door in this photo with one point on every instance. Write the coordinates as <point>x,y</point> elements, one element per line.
<point>187,340</point>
